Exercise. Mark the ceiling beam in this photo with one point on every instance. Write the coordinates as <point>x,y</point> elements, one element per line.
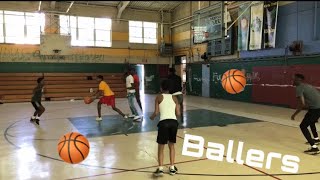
<point>121,7</point>
<point>53,4</point>
<point>163,7</point>
<point>39,7</point>
<point>69,7</point>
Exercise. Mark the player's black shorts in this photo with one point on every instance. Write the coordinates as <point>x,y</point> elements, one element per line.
<point>36,104</point>
<point>167,131</point>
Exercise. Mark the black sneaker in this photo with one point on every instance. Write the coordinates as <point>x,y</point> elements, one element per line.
<point>313,150</point>
<point>158,172</point>
<point>173,170</point>
<point>316,142</point>
<point>37,122</point>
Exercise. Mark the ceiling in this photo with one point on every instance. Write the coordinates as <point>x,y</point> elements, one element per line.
<point>167,6</point>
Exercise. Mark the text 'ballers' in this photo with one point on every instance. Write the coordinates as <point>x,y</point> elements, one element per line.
<point>254,157</point>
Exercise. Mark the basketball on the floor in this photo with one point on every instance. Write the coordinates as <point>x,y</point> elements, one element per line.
<point>233,81</point>
<point>73,147</point>
<point>87,100</point>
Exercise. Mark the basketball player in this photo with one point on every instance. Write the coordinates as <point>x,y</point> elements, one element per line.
<point>136,86</point>
<point>168,106</point>
<point>308,97</point>
<point>36,101</point>
<point>175,88</point>
<point>107,98</point>
<point>131,93</point>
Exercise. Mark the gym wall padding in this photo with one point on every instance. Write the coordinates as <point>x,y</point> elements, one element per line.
<point>152,79</point>
<point>268,80</point>
<point>194,79</point>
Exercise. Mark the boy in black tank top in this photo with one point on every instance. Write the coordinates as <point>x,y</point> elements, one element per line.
<point>36,101</point>
<point>167,129</point>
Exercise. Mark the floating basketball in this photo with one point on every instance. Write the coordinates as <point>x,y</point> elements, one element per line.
<point>233,81</point>
<point>87,100</point>
<point>73,147</point>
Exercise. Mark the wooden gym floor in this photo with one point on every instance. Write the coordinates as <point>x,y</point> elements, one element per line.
<point>124,149</point>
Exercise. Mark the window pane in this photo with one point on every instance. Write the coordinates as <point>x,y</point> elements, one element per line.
<point>74,33</point>
<point>103,23</point>
<point>63,20</point>
<point>135,23</point>
<point>135,32</point>
<point>1,33</point>
<point>103,35</point>
<point>33,19</point>
<point>1,17</point>
<point>150,41</point>
<point>14,13</point>
<point>83,43</point>
<point>12,19</point>
<point>150,33</point>
<point>1,29</point>
<point>15,30</point>
<point>150,24</point>
<point>85,34</point>
<point>73,21</point>
<point>33,31</point>
<point>85,22</point>
<point>16,40</point>
<point>42,21</point>
<point>32,41</point>
<point>135,40</point>
<point>103,43</point>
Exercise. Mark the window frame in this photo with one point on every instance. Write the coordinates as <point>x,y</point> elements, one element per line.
<point>94,29</point>
<point>24,40</point>
<point>143,37</point>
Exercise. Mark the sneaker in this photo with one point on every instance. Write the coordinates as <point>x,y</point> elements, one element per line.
<point>99,119</point>
<point>126,117</point>
<point>313,150</point>
<point>32,119</point>
<point>173,170</point>
<point>316,142</point>
<point>137,118</point>
<point>158,173</point>
<point>131,116</point>
<point>37,122</point>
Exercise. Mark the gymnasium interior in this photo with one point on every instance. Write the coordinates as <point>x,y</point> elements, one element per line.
<point>70,43</point>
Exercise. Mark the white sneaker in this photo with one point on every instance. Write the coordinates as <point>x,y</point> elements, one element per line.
<point>131,116</point>
<point>137,118</point>
<point>99,119</point>
<point>126,117</point>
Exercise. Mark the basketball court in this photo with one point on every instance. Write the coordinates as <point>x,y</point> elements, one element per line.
<point>122,149</point>
<point>236,82</point>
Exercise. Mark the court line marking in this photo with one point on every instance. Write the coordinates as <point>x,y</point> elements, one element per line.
<point>308,173</point>
<point>124,170</point>
<point>249,116</point>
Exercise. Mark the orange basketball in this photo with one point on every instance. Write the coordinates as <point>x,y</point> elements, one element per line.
<point>233,81</point>
<point>87,100</point>
<point>73,147</point>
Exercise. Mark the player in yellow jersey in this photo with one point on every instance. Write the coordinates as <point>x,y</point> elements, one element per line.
<point>107,97</point>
